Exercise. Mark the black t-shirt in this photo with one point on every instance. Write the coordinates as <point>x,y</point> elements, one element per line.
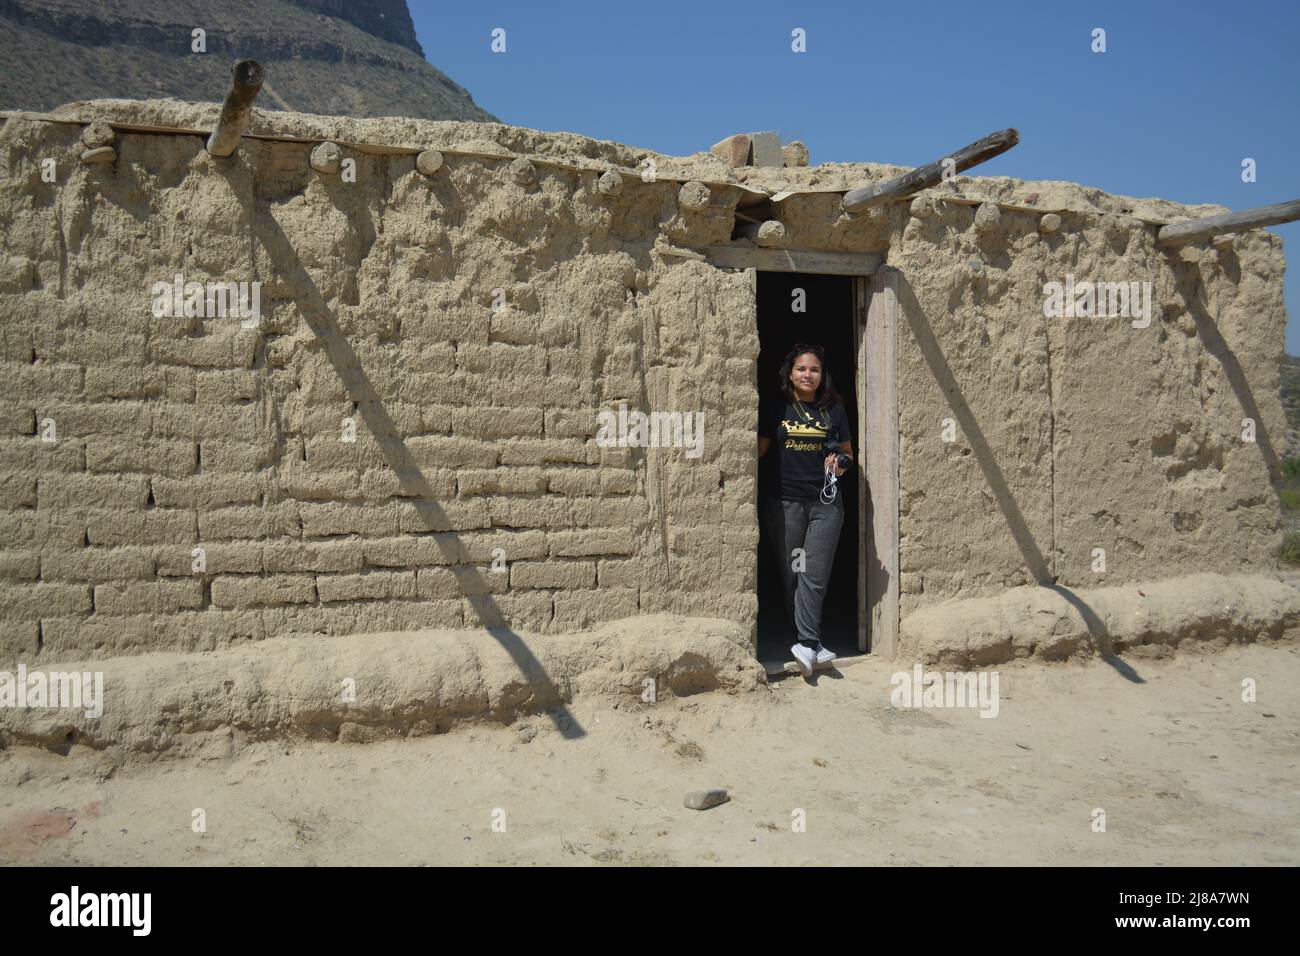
<point>795,463</point>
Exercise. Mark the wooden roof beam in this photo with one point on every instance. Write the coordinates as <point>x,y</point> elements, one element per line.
<point>237,110</point>
<point>923,177</point>
<point>1180,233</point>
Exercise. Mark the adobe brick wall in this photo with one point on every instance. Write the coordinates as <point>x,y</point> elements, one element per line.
<point>1076,434</point>
<point>475,425</point>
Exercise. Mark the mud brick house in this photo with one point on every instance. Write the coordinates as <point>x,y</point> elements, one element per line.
<point>348,378</point>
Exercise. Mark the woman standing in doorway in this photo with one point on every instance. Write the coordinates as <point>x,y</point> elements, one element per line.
<point>801,503</point>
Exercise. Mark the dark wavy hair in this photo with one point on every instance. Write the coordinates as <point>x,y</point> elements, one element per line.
<point>826,396</point>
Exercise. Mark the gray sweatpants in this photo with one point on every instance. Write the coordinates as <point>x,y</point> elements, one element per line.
<point>814,527</point>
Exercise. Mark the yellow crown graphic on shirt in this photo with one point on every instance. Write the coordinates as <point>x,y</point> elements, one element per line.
<point>805,429</point>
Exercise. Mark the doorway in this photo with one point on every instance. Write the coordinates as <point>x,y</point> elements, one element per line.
<point>828,318</point>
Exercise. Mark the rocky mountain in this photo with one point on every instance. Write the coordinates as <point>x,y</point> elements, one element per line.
<point>321,56</point>
<point>386,19</point>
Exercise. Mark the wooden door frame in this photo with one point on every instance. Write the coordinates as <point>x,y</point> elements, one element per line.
<point>876,332</point>
<point>875,342</point>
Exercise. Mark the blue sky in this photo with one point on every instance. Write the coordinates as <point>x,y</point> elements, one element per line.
<point>1182,94</point>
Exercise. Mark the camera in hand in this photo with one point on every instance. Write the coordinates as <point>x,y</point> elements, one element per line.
<point>842,460</point>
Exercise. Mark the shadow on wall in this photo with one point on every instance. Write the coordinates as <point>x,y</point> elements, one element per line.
<point>353,376</point>
<point>925,339</point>
<point>1189,285</point>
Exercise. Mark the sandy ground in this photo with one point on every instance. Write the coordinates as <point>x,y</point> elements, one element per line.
<point>1185,771</point>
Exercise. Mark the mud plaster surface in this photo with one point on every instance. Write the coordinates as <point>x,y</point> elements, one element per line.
<point>1071,436</point>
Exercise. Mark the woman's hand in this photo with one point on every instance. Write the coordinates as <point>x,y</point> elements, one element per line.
<point>832,461</point>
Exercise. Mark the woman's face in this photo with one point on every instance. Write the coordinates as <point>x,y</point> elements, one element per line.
<point>806,373</point>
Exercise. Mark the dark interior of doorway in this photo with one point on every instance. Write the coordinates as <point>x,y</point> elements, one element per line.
<point>827,321</point>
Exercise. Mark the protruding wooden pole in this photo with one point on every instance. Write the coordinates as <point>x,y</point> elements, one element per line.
<point>769,234</point>
<point>1179,233</point>
<point>924,177</point>
<point>237,109</point>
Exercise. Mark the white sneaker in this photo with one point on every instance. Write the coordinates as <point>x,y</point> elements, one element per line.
<point>824,654</point>
<point>805,657</point>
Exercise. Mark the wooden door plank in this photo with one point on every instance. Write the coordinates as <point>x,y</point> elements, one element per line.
<point>861,294</point>
<point>880,434</point>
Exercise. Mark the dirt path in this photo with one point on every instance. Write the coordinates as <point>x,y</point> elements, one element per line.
<point>1185,771</point>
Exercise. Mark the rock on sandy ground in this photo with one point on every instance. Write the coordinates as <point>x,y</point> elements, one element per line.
<point>1185,771</point>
